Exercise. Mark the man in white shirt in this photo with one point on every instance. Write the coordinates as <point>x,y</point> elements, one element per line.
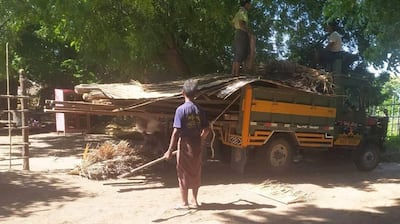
<point>334,48</point>
<point>334,38</point>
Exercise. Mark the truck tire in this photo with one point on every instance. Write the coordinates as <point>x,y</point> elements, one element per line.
<point>366,157</point>
<point>279,155</point>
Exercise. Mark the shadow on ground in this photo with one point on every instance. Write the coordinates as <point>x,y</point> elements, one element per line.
<point>312,214</point>
<point>21,192</point>
<point>323,168</point>
<point>62,146</point>
<point>53,144</point>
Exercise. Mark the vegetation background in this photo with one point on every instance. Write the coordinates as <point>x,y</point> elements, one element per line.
<point>69,42</point>
<point>64,43</point>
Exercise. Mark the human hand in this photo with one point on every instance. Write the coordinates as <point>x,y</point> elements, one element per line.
<point>168,155</point>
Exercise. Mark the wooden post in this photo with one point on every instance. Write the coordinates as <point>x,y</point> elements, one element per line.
<point>24,120</point>
<point>8,108</point>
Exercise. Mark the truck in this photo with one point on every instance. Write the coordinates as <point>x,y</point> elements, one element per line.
<point>276,123</point>
<point>254,115</point>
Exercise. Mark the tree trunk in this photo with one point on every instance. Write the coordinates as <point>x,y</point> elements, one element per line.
<point>174,60</point>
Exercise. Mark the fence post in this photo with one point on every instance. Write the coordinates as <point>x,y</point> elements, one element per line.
<point>24,120</point>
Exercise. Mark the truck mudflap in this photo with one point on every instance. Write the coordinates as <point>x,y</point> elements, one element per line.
<point>238,159</point>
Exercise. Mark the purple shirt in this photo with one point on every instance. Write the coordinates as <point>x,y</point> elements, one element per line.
<point>190,119</point>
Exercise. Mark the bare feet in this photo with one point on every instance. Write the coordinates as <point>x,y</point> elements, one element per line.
<point>195,204</point>
<point>182,207</point>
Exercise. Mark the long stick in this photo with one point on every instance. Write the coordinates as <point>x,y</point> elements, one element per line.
<point>131,172</point>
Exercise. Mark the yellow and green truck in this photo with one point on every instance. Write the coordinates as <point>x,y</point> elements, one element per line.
<point>278,122</point>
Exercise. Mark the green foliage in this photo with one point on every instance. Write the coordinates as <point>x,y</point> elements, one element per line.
<point>392,88</point>
<point>374,24</point>
<point>392,146</point>
<point>393,143</point>
<point>63,43</point>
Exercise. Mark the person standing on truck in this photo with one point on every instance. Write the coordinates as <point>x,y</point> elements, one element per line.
<point>241,43</point>
<point>190,130</point>
<point>325,57</point>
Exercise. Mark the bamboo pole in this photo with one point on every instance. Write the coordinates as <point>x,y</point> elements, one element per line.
<point>149,164</point>
<point>24,119</point>
<point>8,107</point>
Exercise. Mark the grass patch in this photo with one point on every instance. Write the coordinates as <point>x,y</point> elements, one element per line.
<point>392,146</point>
<point>393,143</point>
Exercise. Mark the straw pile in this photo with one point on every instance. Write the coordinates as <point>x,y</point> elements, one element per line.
<point>110,159</point>
<point>297,76</point>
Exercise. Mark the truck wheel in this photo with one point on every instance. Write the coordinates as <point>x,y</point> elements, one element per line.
<point>366,158</point>
<point>279,155</point>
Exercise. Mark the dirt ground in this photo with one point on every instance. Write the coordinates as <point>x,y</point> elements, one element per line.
<point>324,187</point>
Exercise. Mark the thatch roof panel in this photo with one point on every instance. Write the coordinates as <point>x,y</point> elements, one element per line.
<point>218,85</point>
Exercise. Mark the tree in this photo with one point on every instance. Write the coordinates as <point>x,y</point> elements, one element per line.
<point>374,25</point>
<point>392,88</point>
<point>136,38</point>
<point>108,40</point>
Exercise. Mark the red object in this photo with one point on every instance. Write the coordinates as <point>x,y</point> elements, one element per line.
<point>371,121</point>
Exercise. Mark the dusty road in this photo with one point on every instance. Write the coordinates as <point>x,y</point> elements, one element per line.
<point>327,187</point>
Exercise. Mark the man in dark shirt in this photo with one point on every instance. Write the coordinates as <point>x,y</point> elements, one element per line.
<point>189,133</point>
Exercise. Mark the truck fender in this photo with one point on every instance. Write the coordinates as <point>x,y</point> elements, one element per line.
<point>288,135</point>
